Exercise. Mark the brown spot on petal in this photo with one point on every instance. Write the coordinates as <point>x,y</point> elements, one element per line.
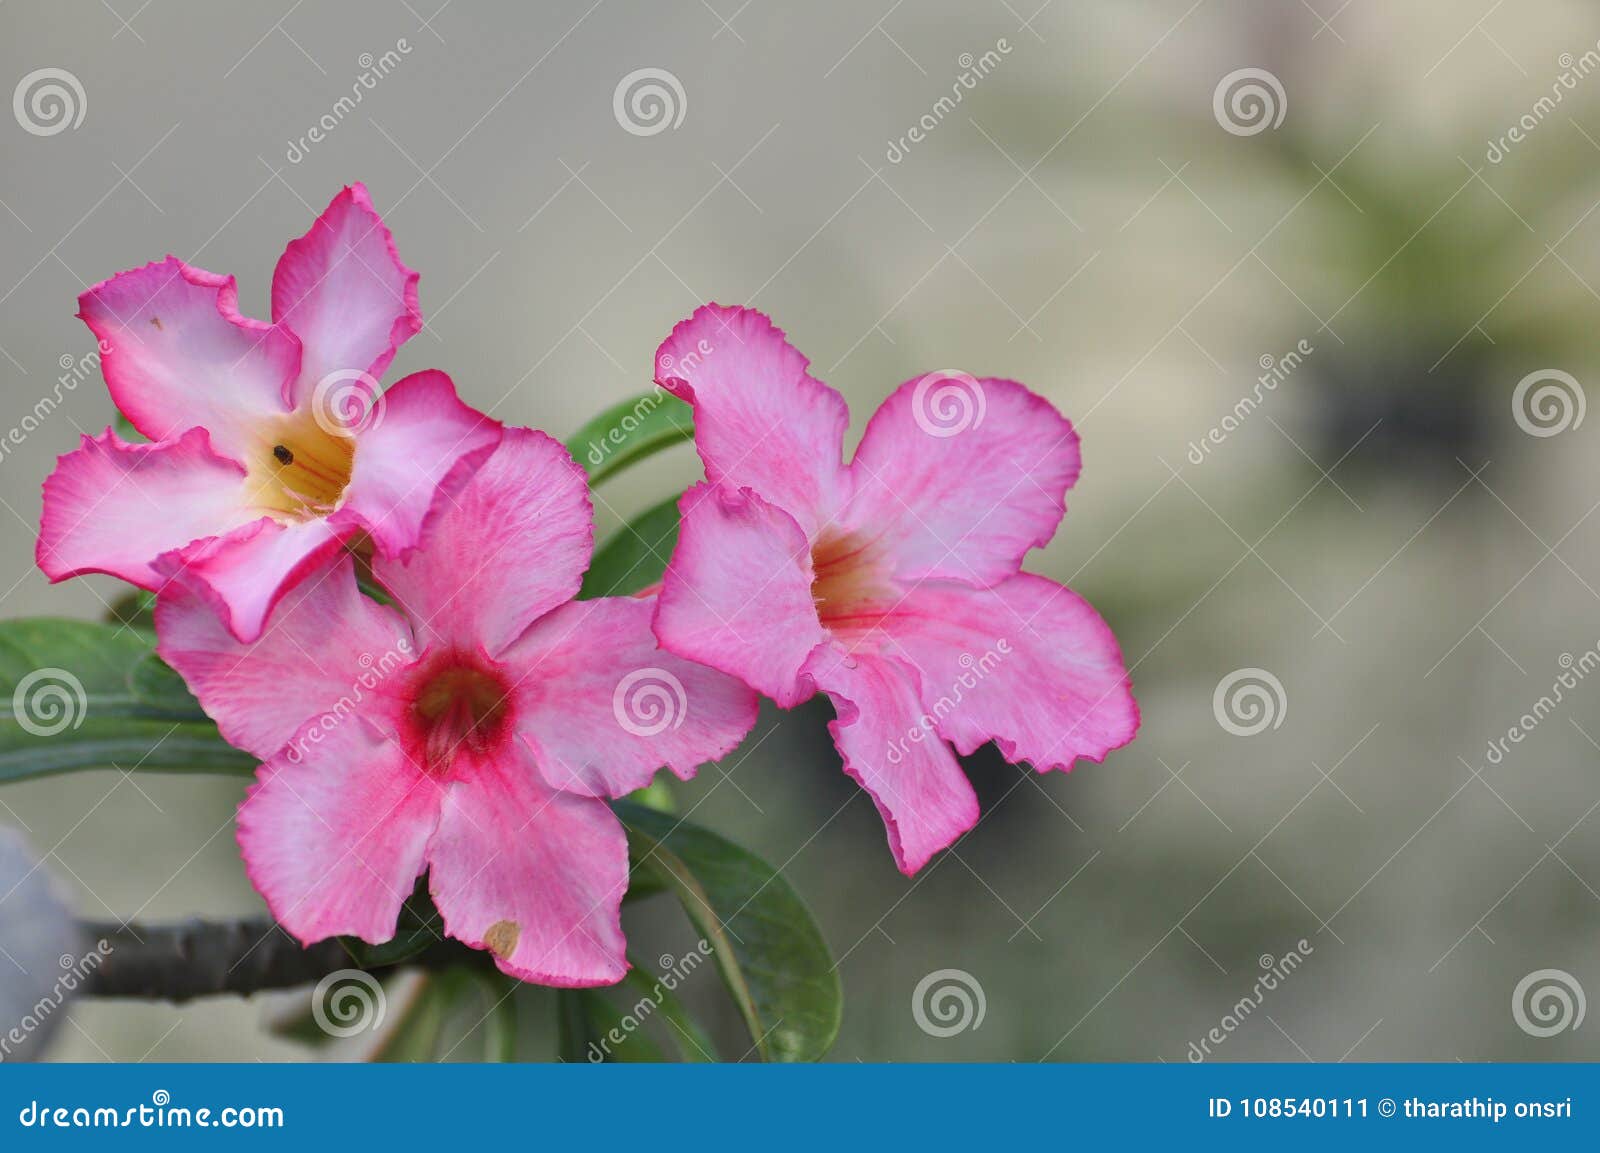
<point>156,320</point>
<point>502,938</point>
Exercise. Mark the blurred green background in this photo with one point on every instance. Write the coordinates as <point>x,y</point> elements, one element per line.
<point>1381,532</point>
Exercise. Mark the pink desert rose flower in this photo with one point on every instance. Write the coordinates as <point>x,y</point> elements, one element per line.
<point>272,447</point>
<point>471,731</point>
<point>893,583</point>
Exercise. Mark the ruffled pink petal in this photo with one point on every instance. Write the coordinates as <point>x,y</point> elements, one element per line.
<point>603,708</point>
<point>532,874</point>
<point>737,593</point>
<point>761,420</point>
<point>335,829</point>
<point>177,354</point>
<point>921,792</point>
<point>1026,663</point>
<point>960,477</point>
<point>114,507</point>
<point>326,655</point>
<point>419,431</point>
<point>507,548</point>
<point>343,291</point>
<point>244,574</point>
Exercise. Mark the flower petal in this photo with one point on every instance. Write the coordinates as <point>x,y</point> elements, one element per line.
<point>114,507</point>
<point>737,593</point>
<point>963,492</point>
<point>532,874</point>
<point>244,574</point>
<point>915,780</point>
<point>603,708</point>
<point>761,420</point>
<point>325,651</point>
<point>507,548</point>
<point>335,840</point>
<point>1027,663</point>
<point>419,431</point>
<point>342,289</point>
<point>177,354</point>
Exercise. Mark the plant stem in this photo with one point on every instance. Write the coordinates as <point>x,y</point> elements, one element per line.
<point>198,958</point>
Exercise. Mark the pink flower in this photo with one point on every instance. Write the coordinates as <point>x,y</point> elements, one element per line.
<point>893,583</point>
<point>471,731</point>
<point>271,445</point>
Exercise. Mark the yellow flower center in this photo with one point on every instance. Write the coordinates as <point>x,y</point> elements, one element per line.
<point>301,470</point>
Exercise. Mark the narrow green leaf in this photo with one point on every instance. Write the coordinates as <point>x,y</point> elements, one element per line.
<point>630,431</point>
<point>500,1016</point>
<point>84,695</point>
<point>770,953</point>
<point>635,556</point>
<point>415,1036</point>
<point>615,1022</point>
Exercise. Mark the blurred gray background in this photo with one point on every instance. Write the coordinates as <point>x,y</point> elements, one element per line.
<point>1381,534</point>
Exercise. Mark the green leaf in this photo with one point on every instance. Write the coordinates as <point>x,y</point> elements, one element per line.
<point>592,1031</point>
<point>415,1036</point>
<point>135,608</point>
<point>500,1016</point>
<point>767,947</point>
<point>84,695</point>
<point>418,929</point>
<point>630,431</point>
<point>635,556</point>
<point>613,1024</point>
